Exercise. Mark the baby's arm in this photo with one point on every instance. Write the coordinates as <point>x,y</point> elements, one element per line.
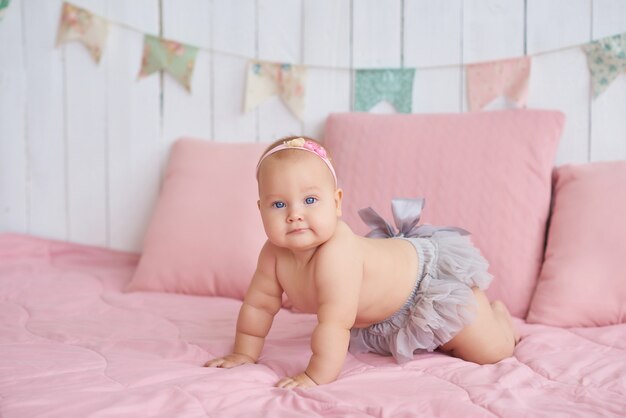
<point>262,302</point>
<point>338,278</point>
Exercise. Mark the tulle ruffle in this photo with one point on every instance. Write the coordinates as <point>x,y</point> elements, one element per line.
<point>441,305</point>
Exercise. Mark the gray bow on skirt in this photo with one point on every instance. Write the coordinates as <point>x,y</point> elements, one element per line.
<point>406,215</point>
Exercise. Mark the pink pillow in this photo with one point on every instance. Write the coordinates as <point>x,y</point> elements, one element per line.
<point>206,232</point>
<point>583,279</point>
<point>487,172</point>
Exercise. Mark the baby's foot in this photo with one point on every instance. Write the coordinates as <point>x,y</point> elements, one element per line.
<point>502,313</point>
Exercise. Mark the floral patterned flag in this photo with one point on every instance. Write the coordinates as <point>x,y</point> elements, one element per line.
<point>509,78</point>
<point>80,24</point>
<point>3,7</point>
<point>393,85</point>
<point>606,58</point>
<point>266,79</point>
<point>175,58</point>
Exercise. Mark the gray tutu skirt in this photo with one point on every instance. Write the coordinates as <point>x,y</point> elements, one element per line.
<point>441,303</point>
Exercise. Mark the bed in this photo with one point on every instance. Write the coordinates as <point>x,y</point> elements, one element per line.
<point>94,332</point>
<point>73,343</point>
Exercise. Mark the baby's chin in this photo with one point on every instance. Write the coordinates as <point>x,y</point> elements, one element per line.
<point>305,245</point>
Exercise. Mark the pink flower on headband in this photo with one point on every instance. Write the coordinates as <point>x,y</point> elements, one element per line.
<point>316,148</point>
<point>310,145</point>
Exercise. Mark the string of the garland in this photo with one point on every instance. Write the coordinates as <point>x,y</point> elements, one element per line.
<point>337,67</point>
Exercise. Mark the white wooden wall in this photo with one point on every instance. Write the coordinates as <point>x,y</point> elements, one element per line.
<point>82,146</point>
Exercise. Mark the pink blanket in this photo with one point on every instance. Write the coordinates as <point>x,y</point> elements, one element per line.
<point>73,344</point>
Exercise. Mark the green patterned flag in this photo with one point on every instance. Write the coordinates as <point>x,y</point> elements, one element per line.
<point>3,7</point>
<point>606,58</point>
<point>175,58</point>
<point>393,85</point>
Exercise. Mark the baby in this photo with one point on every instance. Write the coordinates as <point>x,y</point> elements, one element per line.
<point>421,290</point>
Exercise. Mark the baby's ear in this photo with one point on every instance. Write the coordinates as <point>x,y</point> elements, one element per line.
<point>338,199</point>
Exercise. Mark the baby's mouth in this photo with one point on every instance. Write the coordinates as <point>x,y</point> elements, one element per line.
<point>297,230</point>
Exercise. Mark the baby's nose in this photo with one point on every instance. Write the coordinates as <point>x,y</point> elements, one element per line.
<point>294,215</point>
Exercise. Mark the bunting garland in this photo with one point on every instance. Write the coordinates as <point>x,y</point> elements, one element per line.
<point>606,58</point>
<point>175,58</point>
<point>392,85</point>
<point>81,25</point>
<point>486,81</point>
<point>508,78</point>
<point>267,79</point>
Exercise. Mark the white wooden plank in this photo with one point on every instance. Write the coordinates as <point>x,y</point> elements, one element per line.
<point>326,40</point>
<point>234,31</point>
<point>556,24</point>
<point>85,99</point>
<point>14,203</point>
<point>609,18</point>
<point>492,30</point>
<point>329,92</point>
<point>438,90</point>
<point>432,37</point>
<point>608,125</point>
<point>184,113</point>
<point>231,123</point>
<point>326,33</point>
<point>133,119</point>
<point>560,79</point>
<point>279,40</point>
<point>277,121</point>
<point>279,31</point>
<point>432,32</point>
<point>377,34</point>
<point>44,118</point>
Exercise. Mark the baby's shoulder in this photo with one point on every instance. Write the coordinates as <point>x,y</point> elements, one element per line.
<point>339,257</point>
<point>344,243</point>
<point>267,257</point>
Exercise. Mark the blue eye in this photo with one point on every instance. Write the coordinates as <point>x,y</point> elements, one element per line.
<point>278,205</point>
<point>310,200</point>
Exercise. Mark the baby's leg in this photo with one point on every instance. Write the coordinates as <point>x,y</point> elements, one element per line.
<point>489,339</point>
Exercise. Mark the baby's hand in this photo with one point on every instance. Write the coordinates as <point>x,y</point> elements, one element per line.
<point>229,361</point>
<point>301,380</point>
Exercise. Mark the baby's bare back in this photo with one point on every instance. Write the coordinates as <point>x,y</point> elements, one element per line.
<point>387,275</point>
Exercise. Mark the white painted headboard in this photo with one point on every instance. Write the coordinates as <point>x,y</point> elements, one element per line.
<point>82,145</point>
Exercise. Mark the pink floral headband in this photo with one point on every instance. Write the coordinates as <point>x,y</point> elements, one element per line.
<point>304,145</point>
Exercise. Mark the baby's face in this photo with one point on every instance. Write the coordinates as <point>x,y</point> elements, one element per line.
<point>298,201</point>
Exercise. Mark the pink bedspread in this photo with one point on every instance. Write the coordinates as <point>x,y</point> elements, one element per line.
<point>72,344</point>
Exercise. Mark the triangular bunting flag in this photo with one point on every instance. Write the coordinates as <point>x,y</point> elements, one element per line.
<point>393,85</point>
<point>3,7</point>
<point>266,79</point>
<point>175,58</point>
<point>606,58</point>
<point>509,78</point>
<point>79,24</point>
